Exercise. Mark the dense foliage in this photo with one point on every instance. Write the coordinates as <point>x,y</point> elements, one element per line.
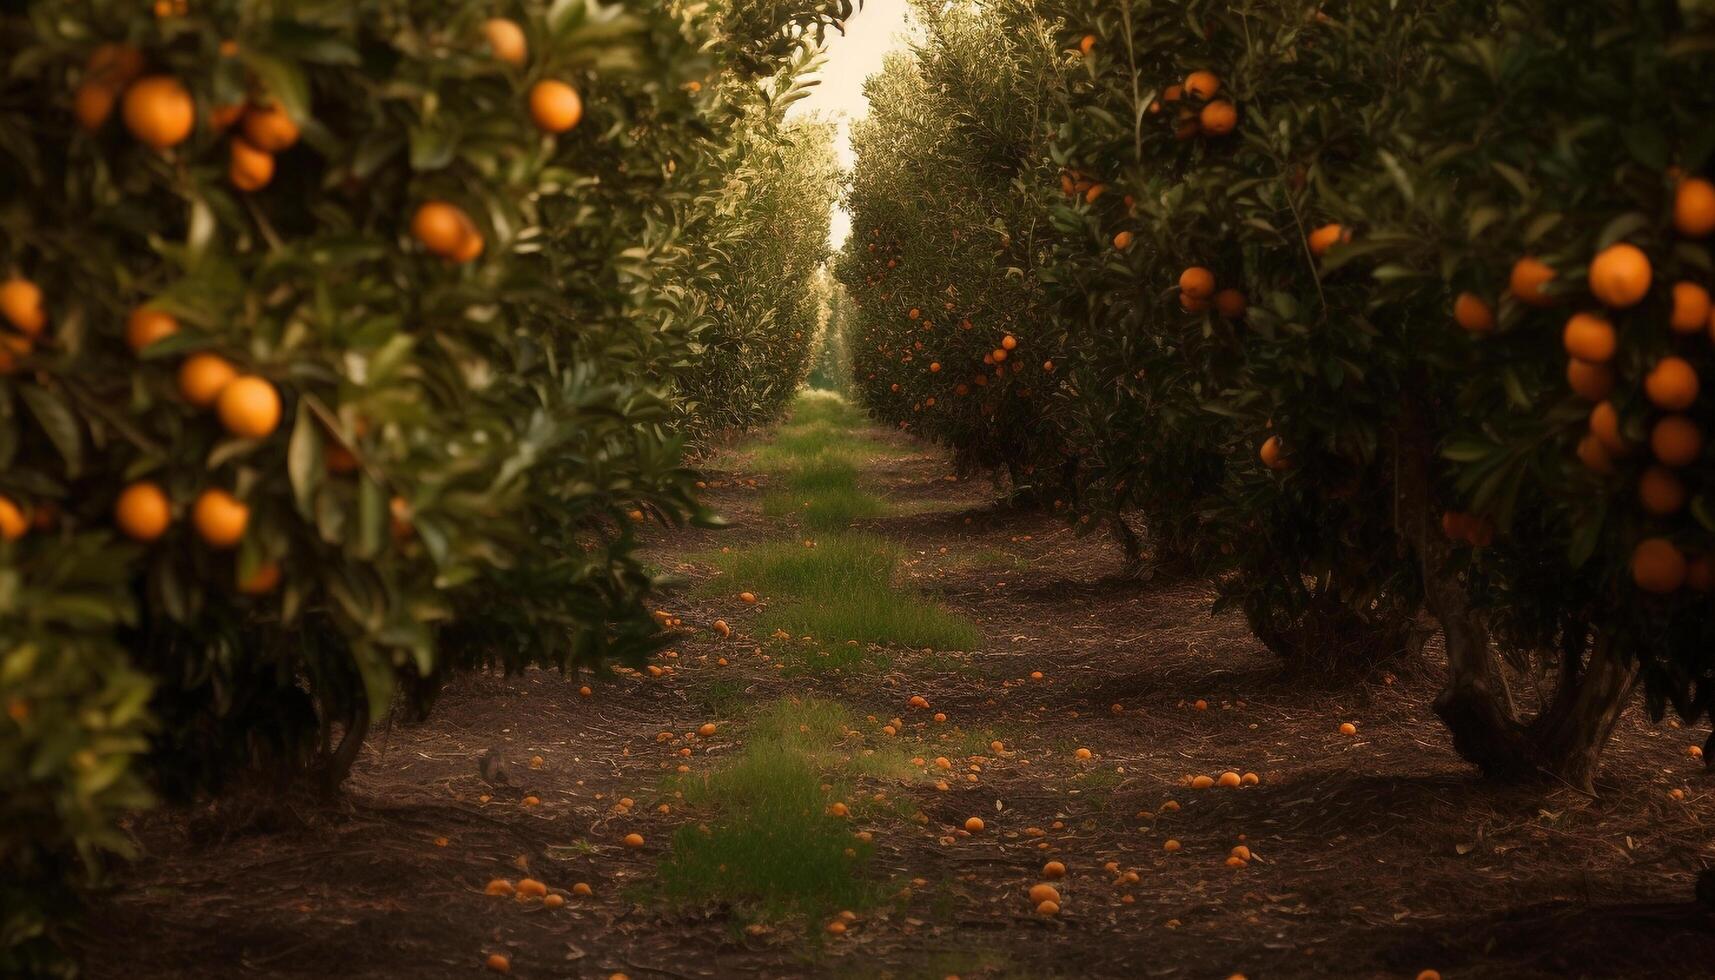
<point>346,344</point>
<point>1361,307</point>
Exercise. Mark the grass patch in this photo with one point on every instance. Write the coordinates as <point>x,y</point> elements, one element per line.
<point>722,699</point>
<point>875,617</point>
<point>840,590</point>
<point>810,659</point>
<point>819,456</point>
<point>825,511</point>
<point>770,848</point>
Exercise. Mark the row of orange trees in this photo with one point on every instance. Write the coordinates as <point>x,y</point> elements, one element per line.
<point>346,345</point>
<point>1362,307</point>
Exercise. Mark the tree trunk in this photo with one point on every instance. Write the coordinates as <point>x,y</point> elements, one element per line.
<point>1569,736</point>
<point>340,762</point>
<point>1477,705</point>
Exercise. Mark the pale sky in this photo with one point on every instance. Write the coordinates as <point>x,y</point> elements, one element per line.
<point>870,34</point>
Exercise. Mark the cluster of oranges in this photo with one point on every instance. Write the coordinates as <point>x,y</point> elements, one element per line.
<point>1621,277</point>
<point>1199,111</point>
<point>160,112</point>
<point>1197,293</point>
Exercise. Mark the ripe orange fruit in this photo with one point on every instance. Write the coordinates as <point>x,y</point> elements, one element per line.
<point>439,226</point>
<point>633,840</point>
<point>1231,303</point>
<point>249,407</point>
<point>1605,426</point>
<point>13,523</point>
<point>1671,385</point>
<point>934,367</point>
<point>1657,566</point>
<point>1202,84</point>
<point>1192,304</point>
<point>1197,282</point>
<point>222,117</point>
<point>1087,44</point>
<point>506,39</point>
<point>93,104</point>
<point>974,825</point>
<point>1123,240</point>
<point>1594,455</point>
<point>555,106</point>
<point>553,901</point>
<point>21,305</point>
<point>1171,845</point>
<point>531,888</point>
<point>11,350</point>
<point>263,581</point>
<point>142,511</point>
<point>471,246</point>
<point>1273,454</point>
<point>1082,754</point>
<point>203,377</point>
<point>1009,342</point>
<point>159,111</point>
<point>1044,893</point>
<point>1218,118</point>
<point>1694,208</point>
<point>1690,308</point>
<point>1473,314</point>
<point>220,518</point>
<point>1676,441</point>
<point>269,128</point>
<point>1228,780</point>
<point>1347,728</point>
<point>249,168</point>
<point>499,963</point>
<point>1173,93</point>
<point>1589,337</point>
<point>1660,492</point>
<point>1457,526</point>
<point>1591,382</point>
<point>1053,869</point>
<point>1326,237</point>
<point>1620,275</point>
<point>1529,275</point>
<point>1202,782</point>
<point>146,326</point>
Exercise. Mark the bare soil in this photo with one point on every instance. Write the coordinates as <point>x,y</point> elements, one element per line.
<point>1375,855</point>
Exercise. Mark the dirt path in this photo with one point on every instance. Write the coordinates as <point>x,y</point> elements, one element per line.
<point>1374,854</point>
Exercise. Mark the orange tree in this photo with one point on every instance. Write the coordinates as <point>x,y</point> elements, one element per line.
<point>340,347</point>
<point>1381,322</point>
<point>950,338</point>
<point>1204,323</point>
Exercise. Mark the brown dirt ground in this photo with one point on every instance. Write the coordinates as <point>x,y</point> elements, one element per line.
<point>1376,855</point>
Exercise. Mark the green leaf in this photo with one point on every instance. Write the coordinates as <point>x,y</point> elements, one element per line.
<point>61,426</point>
<point>304,459</point>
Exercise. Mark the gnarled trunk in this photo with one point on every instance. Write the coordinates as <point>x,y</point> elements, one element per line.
<point>1566,738</point>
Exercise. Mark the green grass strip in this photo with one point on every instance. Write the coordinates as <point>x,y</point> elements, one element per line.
<point>770,847</point>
